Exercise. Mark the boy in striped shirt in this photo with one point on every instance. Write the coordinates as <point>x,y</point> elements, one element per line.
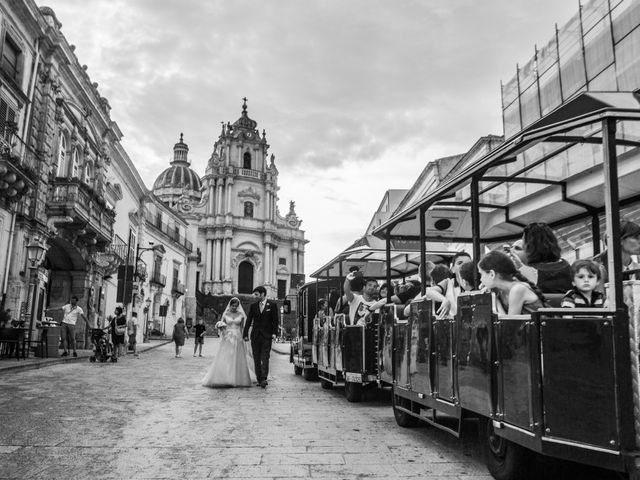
<point>586,276</point>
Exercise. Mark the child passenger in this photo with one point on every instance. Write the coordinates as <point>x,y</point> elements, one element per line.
<point>514,292</point>
<point>586,275</point>
<point>466,276</point>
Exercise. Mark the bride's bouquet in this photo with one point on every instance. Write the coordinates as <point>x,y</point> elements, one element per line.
<point>221,325</point>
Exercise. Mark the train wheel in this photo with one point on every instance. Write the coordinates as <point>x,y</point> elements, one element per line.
<point>326,384</point>
<point>403,419</point>
<point>505,460</point>
<point>353,391</point>
<point>297,370</point>
<point>309,374</point>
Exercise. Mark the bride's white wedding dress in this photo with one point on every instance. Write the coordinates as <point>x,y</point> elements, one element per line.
<point>231,367</point>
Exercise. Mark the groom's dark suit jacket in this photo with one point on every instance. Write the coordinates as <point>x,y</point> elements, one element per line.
<point>264,323</point>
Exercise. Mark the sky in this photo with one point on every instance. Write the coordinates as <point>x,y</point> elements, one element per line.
<point>356,96</point>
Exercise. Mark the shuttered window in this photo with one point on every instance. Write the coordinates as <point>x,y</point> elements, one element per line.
<point>10,57</point>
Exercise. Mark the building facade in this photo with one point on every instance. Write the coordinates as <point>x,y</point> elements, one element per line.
<point>76,219</point>
<point>242,239</point>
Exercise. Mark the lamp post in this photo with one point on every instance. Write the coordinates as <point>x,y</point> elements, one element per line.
<point>145,333</point>
<point>35,253</point>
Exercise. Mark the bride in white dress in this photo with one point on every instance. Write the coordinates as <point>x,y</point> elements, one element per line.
<point>231,367</point>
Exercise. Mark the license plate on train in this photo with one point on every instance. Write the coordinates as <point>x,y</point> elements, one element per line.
<point>353,377</point>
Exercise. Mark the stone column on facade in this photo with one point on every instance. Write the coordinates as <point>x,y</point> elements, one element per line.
<point>228,207</point>
<point>207,260</point>
<point>226,258</point>
<point>294,260</point>
<point>219,188</point>
<point>300,262</point>
<point>212,193</point>
<point>267,205</point>
<point>215,262</point>
<point>267,263</point>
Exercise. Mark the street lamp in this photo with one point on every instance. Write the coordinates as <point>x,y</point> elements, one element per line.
<point>146,321</point>
<point>140,250</point>
<point>35,254</point>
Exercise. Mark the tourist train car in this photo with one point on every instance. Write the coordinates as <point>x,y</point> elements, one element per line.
<point>354,354</point>
<point>559,382</point>
<point>301,344</point>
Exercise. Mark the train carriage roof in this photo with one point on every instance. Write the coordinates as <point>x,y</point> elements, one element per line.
<point>369,255</point>
<point>549,172</point>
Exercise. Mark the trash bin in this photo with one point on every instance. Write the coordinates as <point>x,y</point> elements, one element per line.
<point>49,340</point>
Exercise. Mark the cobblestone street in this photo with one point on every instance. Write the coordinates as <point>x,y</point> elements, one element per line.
<point>150,418</point>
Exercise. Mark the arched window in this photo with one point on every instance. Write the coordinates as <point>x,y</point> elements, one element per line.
<point>75,164</point>
<point>248,209</point>
<point>63,169</point>
<point>245,277</point>
<point>246,160</point>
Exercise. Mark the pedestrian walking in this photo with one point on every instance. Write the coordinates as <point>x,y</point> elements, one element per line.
<point>179,334</point>
<point>263,316</point>
<point>118,329</point>
<point>132,332</point>
<point>71,311</point>
<point>200,330</point>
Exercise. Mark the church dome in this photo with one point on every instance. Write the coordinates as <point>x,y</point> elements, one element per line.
<point>179,177</point>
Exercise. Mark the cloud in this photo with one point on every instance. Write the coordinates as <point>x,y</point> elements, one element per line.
<point>356,97</point>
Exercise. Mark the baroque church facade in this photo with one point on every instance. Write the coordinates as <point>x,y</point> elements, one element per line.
<point>241,238</point>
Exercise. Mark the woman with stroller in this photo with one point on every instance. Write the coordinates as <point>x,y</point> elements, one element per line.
<point>118,326</point>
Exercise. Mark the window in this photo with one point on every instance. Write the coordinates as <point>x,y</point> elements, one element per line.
<point>282,261</point>
<point>7,119</point>
<point>282,289</point>
<point>248,209</point>
<point>75,173</point>
<point>176,274</point>
<point>246,160</point>
<point>62,158</point>
<point>88,173</point>
<point>10,58</point>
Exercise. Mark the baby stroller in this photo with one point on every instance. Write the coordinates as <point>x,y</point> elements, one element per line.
<point>102,348</point>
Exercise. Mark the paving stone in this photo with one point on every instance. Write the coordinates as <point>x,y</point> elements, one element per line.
<point>150,418</point>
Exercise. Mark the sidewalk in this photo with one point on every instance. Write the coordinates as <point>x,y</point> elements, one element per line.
<point>13,365</point>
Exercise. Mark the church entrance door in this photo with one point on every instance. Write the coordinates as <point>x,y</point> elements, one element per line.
<point>245,277</point>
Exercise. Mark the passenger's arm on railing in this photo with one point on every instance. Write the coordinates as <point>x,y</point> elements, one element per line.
<point>433,294</point>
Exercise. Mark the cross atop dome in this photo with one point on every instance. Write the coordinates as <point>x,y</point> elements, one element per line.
<point>244,122</point>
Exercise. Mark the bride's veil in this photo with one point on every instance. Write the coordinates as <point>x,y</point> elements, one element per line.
<point>240,309</point>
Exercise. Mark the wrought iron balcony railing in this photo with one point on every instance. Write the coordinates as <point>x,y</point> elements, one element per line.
<point>72,198</point>
<point>158,279</point>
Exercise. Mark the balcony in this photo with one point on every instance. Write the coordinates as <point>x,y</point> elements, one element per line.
<point>177,289</point>
<point>241,172</point>
<point>18,166</point>
<point>88,211</point>
<point>158,279</point>
<point>172,233</point>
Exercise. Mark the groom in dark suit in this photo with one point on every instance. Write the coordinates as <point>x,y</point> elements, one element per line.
<point>263,315</point>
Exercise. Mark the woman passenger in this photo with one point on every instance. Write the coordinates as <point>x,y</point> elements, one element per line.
<point>515,293</point>
<point>451,287</point>
<point>544,266</point>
